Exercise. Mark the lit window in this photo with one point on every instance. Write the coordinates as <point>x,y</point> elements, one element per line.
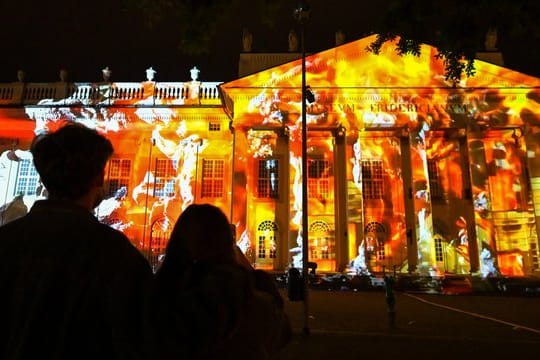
<point>321,244</point>
<point>212,178</point>
<point>27,178</point>
<point>164,180</point>
<point>438,249</point>
<point>266,245</point>
<point>435,188</point>
<point>318,179</point>
<point>262,247</point>
<point>119,172</point>
<point>268,183</point>
<point>372,179</point>
<point>380,252</point>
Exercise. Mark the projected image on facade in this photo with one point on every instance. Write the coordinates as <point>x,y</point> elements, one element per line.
<point>406,172</point>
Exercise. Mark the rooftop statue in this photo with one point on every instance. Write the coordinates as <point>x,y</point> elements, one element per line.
<point>247,40</point>
<point>150,73</point>
<point>491,40</point>
<point>293,41</point>
<point>106,73</point>
<point>194,73</point>
<point>340,37</point>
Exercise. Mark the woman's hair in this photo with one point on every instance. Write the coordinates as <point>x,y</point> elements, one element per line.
<point>202,233</point>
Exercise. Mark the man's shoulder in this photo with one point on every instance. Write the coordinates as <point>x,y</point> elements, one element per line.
<point>115,251</point>
<point>112,239</point>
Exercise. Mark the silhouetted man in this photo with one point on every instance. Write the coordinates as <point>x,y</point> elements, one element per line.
<point>71,287</point>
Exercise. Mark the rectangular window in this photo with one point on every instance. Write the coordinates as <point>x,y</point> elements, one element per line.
<point>381,253</point>
<point>273,251</point>
<point>268,179</point>
<point>372,179</point>
<point>164,178</point>
<point>214,126</point>
<point>27,178</point>
<point>435,188</point>
<point>318,179</point>
<point>119,172</point>
<point>262,247</point>
<point>212,178</point>
<point>438,249</point>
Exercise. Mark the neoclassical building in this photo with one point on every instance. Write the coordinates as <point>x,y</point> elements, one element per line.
<point>405,170</point>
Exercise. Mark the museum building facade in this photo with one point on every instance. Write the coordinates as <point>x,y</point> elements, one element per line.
<point>406,171</point>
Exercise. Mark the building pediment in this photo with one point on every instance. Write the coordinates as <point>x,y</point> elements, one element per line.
<point>349,79</point>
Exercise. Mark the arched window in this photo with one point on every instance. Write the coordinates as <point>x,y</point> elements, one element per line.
<point>266,240</point>
<point>321,242</point>
<point>375,235</point>
<point>159,236</point>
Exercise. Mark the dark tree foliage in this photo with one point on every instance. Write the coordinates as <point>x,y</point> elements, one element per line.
<point>457,28</point>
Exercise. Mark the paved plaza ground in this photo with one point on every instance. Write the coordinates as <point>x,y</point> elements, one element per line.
<point>355,325</point>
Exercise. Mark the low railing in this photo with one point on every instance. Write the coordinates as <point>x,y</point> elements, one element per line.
<point>178,93</point>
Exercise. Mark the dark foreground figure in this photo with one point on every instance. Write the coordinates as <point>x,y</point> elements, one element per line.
<point>211,304</point>
<point>71,287</point>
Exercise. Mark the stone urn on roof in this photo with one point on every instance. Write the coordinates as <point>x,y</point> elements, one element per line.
<point>194,86</point>
<point>150,73</point>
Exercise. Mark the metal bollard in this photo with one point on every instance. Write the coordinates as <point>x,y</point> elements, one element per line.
<point>390,300</point>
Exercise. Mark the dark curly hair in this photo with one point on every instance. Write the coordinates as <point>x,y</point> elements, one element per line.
<point>69,159</point>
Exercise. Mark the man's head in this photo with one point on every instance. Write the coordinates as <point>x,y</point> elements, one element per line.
<point>71,160</point>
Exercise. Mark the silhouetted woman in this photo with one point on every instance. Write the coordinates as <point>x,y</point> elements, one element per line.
<point>210,303</point>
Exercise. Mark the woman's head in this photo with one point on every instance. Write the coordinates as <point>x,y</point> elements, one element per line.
<point>202,233</point>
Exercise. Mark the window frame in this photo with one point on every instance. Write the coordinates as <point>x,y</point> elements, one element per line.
<point>212,184</point>
<point>264,188</point>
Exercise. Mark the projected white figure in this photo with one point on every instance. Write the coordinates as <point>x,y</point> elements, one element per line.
<point>146,186</point>
<point>357,168</point>
<point>244,243</point>
<point>184,153</point>
<point>296,216</point>
<point>359,262</point>
<point>297,253</point>
<point>110,211</point>
<point>296,163</point>
<point>487,263</point>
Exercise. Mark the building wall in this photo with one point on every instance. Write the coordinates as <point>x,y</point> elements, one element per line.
<point>405,180</point>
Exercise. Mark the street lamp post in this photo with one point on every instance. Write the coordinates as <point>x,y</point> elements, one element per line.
<point>301,14</point>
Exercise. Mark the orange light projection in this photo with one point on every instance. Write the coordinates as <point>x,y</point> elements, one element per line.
<point>386,103</point>
<point>406,171</point>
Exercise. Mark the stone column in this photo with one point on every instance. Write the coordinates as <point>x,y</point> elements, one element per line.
<point>283,203</point>
<point>410,218</point>
<point>468,208</point>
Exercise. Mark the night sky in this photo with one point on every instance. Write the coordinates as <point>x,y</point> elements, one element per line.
<point>41,37</point>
